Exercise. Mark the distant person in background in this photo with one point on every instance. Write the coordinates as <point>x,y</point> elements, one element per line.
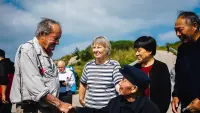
<point>131,98</point>
<point>100,76</point>
<point>67,80</point>
<point>6,77</point>
<point>187,68</point>
<point>159,90</point>
<point>168,48</point>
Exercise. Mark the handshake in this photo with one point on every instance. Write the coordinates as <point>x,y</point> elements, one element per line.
<point>65,108</point>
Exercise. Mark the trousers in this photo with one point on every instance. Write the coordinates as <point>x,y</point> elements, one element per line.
<point>19,109</point>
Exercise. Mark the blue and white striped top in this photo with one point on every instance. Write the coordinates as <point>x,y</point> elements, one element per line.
<point>100,80</point>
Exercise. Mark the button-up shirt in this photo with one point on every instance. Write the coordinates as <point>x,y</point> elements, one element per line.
<point>35,73</point>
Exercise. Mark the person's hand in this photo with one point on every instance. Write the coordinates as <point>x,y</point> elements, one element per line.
<point>175,104</point>
<point>72,110</point>
<point>64,107</point>
<point>82,102</point>
<point>194,106</point>
<point>3,98</point>
<point>65,83</point>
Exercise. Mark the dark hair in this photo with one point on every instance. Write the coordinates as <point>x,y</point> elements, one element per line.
<point>146,42</point>
<point>2,53</point>
<point>45,27</point>
<point>190,17</point>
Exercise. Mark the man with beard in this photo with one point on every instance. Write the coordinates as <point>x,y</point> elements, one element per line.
<point>187,85</point>
<point>35,85</point>
<point>132,98</point>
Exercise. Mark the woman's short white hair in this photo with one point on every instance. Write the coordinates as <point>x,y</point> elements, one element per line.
<point>102,40</point>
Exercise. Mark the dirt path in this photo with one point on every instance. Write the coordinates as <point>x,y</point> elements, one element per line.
<point>166,57</point>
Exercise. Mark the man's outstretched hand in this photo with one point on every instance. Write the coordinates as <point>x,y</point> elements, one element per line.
<point>194,106</point>
<point>65,107</point>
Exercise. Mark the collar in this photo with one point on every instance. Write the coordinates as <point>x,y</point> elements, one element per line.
<point>135,106</point>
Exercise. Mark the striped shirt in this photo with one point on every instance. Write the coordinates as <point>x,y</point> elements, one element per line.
<point>100,80</point>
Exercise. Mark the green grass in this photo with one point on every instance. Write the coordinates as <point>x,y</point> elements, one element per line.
<point>122,51</point>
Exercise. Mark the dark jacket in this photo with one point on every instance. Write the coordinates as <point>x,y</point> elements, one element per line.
<point>187,85</point>
<point>6,67</point>
<point>6,75</point>
<point>120,105</point>
<point>160,86</point>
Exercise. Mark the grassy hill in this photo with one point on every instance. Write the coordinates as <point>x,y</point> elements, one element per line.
<point>122,51</point>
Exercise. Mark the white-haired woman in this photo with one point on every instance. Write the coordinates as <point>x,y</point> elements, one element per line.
<point>100,76</point>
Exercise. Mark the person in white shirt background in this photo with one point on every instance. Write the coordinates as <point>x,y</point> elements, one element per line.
<point>67,80</point>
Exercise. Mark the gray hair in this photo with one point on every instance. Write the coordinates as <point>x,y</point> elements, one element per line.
<point>45,27</point>
<point>104,42</point>
<point>61,62</point>
<point>191,17</point>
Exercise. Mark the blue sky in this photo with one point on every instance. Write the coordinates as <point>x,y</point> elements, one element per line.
<point>82,20</point>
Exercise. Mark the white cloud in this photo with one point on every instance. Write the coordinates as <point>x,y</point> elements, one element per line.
<point>113,16</point>
<point>169,36</point>
<point>15,22</point>
<point>145,33</point>
<point>83,19</point>
<point>63,50</point>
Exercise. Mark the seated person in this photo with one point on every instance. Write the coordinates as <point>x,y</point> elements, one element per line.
<point>67,80</point>
<point>132,98</point>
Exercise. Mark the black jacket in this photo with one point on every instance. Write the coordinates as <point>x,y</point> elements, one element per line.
<point>120,105</point>
<point>6,67</point>
<point>160,86</point>
<point>187,85</point>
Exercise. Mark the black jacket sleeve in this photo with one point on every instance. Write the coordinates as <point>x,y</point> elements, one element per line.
<point>150,107</point>
<point>160,86</point>
<point>175,92</point>
<point>166,87</point>
<point>91,110</point>
<point>3,74</point>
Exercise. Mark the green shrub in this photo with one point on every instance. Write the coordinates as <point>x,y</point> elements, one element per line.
<point>122,44</point>
<point>124,56</point>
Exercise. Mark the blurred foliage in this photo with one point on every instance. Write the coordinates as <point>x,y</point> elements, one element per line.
<point>174,45</point>
<point>124,56</point>
<point>85,55</point>
<point>122,51</point>
<point>76,53</point>
<point>122,44</point>
<point>66,58</point>
<point>164,48</point>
